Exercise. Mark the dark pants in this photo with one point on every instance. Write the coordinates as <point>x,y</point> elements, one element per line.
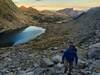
<point>68,66</point>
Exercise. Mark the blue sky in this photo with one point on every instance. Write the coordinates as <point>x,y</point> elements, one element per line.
<point>58,4</point>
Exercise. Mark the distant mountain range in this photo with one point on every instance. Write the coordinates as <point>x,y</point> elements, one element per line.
<point>33,11</point>
<point>67,11</point>
<point>44,16</point>
<point>48,12</point>
<point>71,12</point>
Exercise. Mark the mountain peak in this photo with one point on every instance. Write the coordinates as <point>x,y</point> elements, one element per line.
<point>95,10</point>
<point>70,11</point>
<point>29,10</point>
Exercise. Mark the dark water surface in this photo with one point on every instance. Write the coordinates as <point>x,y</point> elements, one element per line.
<point>20,36</point>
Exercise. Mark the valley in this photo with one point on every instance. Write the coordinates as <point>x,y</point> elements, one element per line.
<point>38,56</point>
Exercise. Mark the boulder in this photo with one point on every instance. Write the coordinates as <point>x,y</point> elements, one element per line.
<point>59,66</point>
<point>96,65</point>
<point>24,73</point>
<point>11,73</point>
<point>57,59</point>
<point>97,73</point>
<point>82,64</point>
<point>85,72</point>
<point>46,62</point>
<point>94,51</point>
<point>54,48</point>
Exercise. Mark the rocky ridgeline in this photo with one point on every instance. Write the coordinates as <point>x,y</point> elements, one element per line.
<point>11,17</point>
<point>47,62</point>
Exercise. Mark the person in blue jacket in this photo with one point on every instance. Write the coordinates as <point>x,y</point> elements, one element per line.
<point>69,57</point>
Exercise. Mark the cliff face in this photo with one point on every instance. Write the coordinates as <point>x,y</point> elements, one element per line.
<point>10,16</point>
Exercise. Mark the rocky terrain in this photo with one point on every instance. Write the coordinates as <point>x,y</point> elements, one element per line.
<point>88,27</point>
<point>26,61</point>
<point>84,32</point>
<point>42,56</point>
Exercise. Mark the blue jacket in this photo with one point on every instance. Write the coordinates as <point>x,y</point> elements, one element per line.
<point>70,55</point>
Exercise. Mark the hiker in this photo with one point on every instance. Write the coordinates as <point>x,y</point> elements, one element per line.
<point>69,58</point>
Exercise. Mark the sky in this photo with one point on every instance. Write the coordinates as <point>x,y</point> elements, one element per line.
<point>58,4</point>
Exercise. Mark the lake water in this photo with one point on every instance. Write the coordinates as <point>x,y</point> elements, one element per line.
<point>20,36</point>
<point>28,34</point>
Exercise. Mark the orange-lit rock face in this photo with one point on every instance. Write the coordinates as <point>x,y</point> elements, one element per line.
<point>23,8</point>
<point>29,10</point>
